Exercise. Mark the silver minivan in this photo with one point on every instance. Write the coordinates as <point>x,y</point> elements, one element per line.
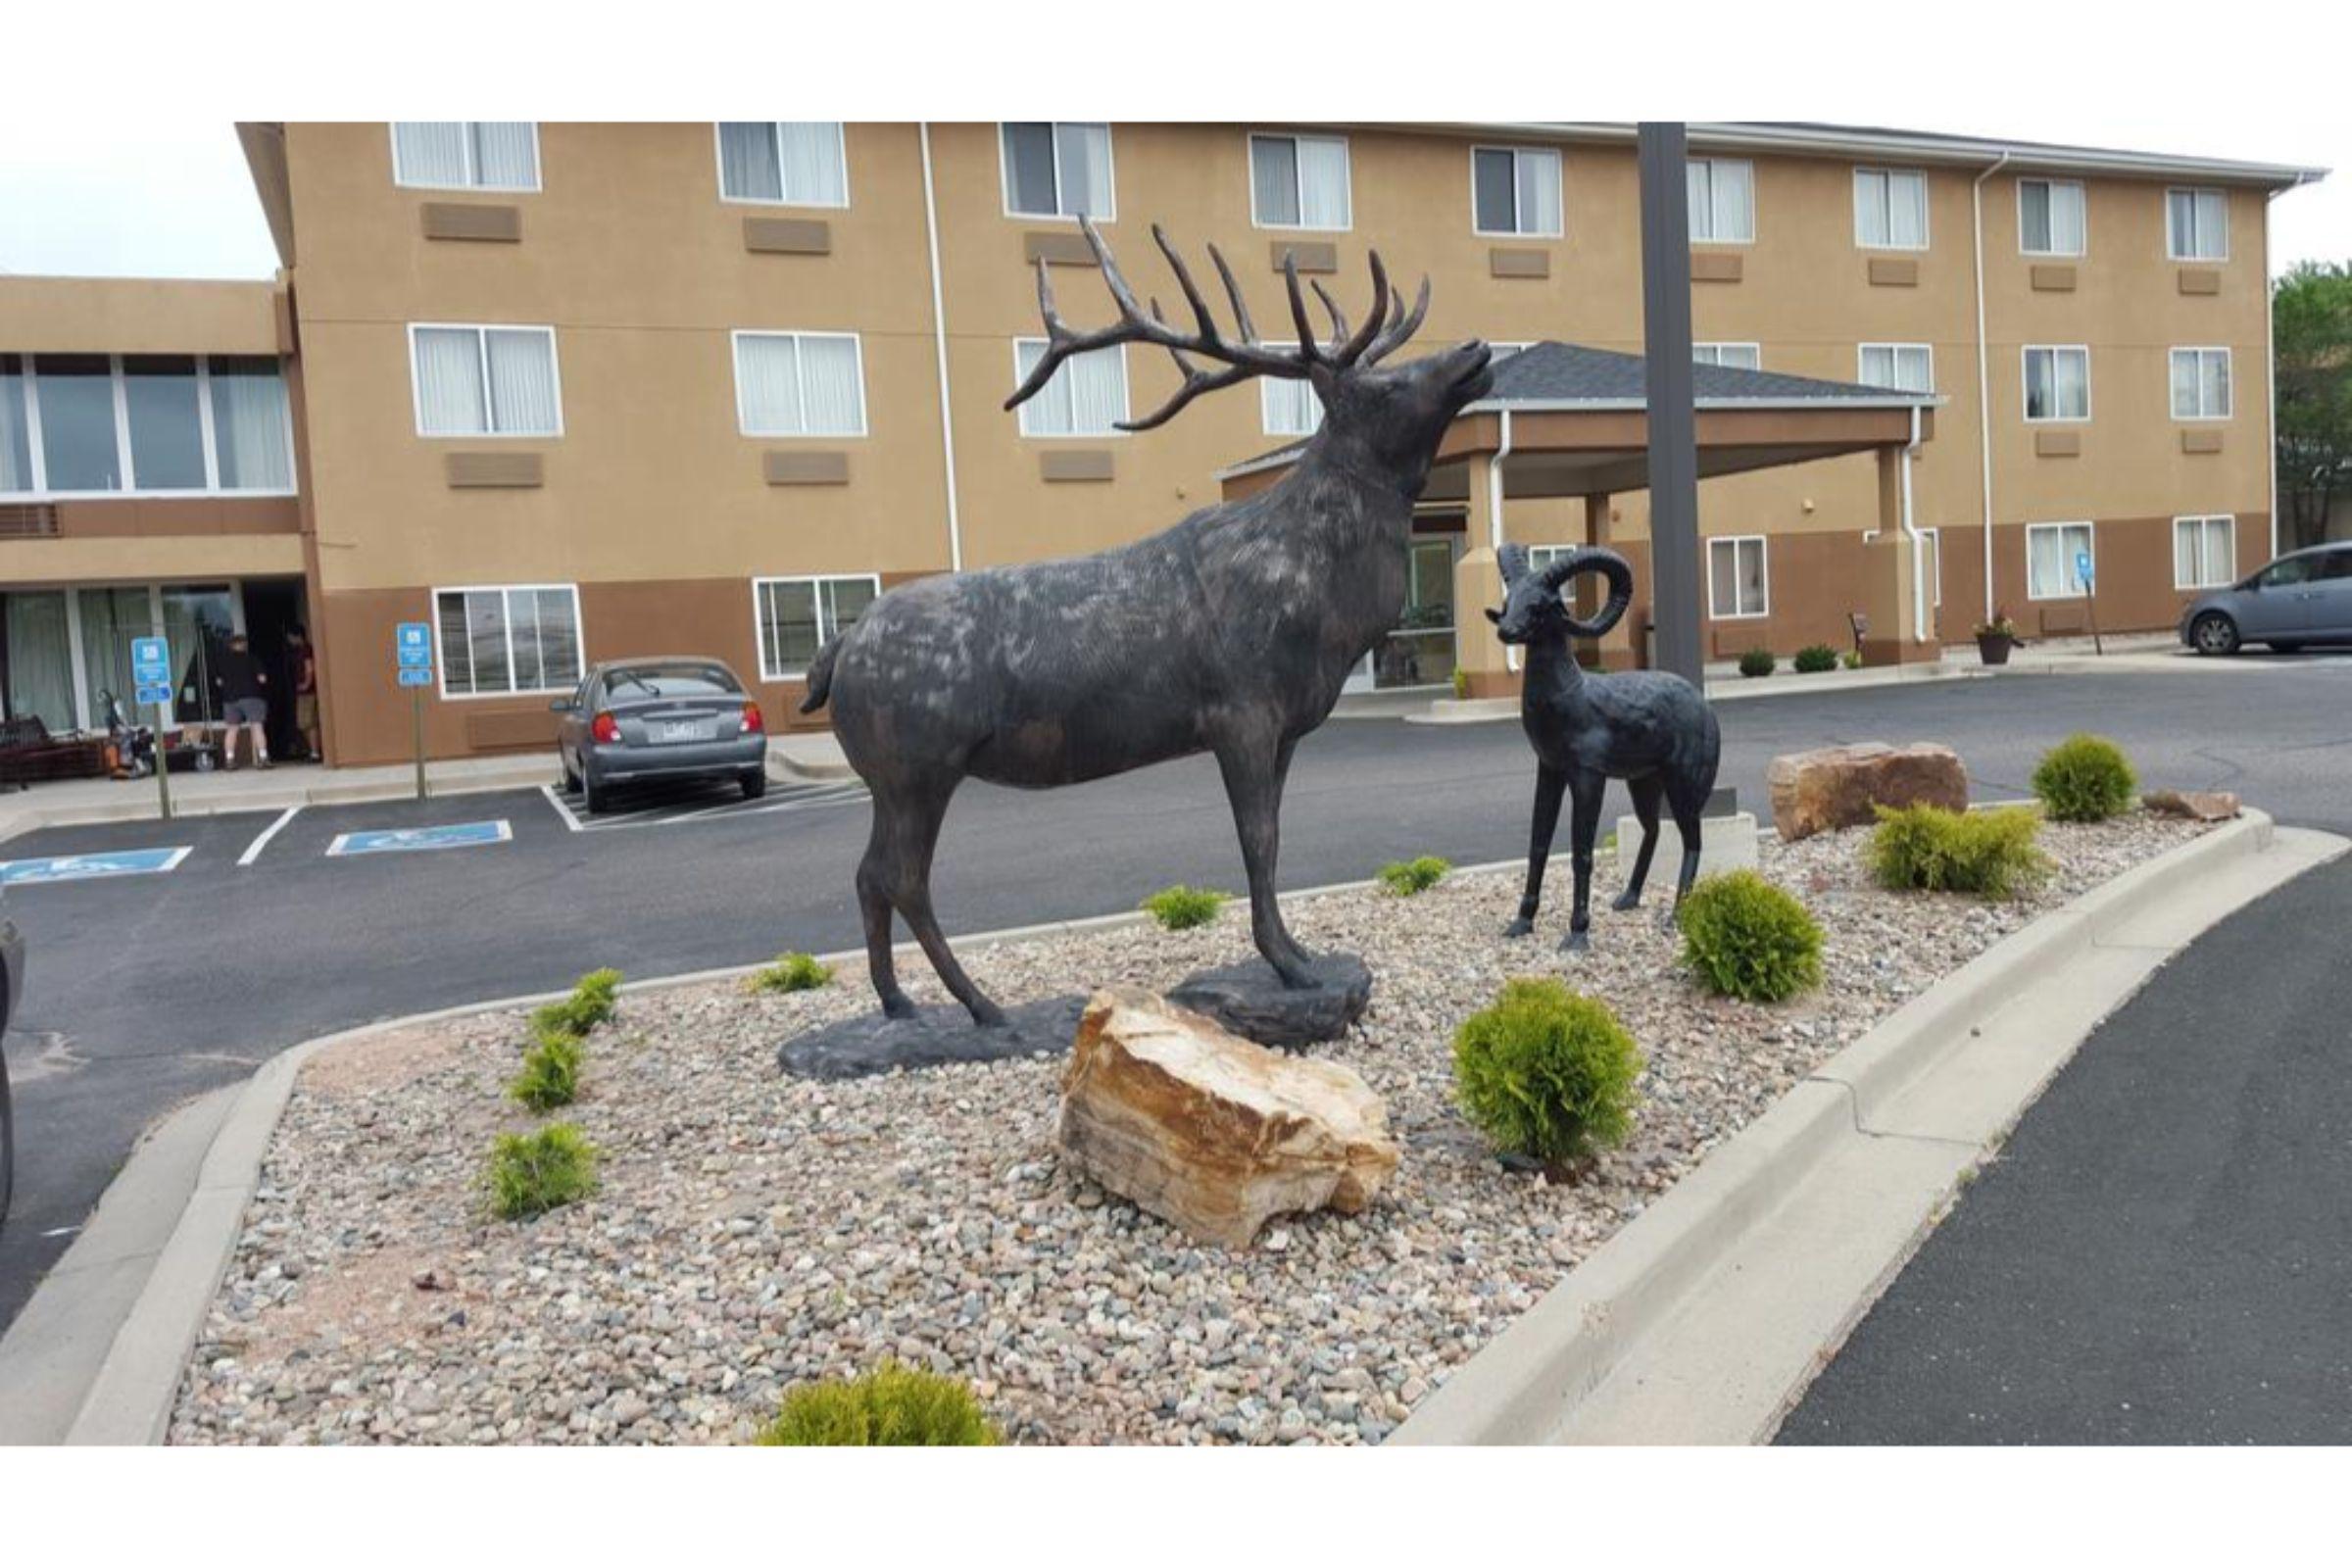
<point>2301,597</point>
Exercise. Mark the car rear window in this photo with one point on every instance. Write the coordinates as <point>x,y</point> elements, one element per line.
<point>641,682</point>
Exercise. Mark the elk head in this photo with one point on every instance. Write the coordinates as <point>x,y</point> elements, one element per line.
<point>1532,606</point>
<point>1389,419</point>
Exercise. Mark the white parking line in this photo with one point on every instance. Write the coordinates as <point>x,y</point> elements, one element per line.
<point>564,812</point>
<point>655,816</point>
<point>253,851</point>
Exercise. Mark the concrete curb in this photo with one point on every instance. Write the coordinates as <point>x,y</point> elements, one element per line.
<point>1587,1362</point>
<point>140,805</point>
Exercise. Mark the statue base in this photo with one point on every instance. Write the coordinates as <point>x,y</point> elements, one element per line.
<point>935,1037</point>
<point>1250,1000</point>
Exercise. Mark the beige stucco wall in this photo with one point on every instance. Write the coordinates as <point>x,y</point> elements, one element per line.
<point>137,315</point>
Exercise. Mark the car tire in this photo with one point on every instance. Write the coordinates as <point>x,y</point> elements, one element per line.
<point>755,784</point>
<point>594,795</point>
<point>2214,633</point>
<point>571,774</point>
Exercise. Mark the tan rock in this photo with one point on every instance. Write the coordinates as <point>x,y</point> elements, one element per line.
<point>1837,786</point>
<point>2199,806</point>
<point>1214,1133</point>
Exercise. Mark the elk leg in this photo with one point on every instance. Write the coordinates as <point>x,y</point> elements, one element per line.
<point>911,892</point>
<point>1687,823</point>
<point>1550,783</point>
<point>873,902</point>
<point>1584,824</point>
<point>1646,792</point>
<point>1254,784</point>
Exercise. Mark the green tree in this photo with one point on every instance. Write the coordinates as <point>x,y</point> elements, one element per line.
<point>2311,316</point>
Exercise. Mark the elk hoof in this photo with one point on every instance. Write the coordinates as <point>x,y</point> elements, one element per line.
<point>987,1015</point>
<point>1524,925</point>
<point>1577,942</point>
<point>897,1006</point>
<point>1628,899</point>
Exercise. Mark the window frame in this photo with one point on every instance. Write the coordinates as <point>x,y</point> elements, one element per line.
<point>399,179</point>
<point>481,329</point>
<point>1861,376</point>
<point>818,580</point>
<point>1888,173</point>
<point>1295,137</point>
<point>208,433</point>
<point>2065,559</point>
<point>2230,383</point>
<point>579,629</point>
<point>743,424</point>
<point>718,171</point>
<point>2052,183</point>
<point>1110,162</point>
<point>2171,249</point>
<point>1559,171</point>
<point>2203,520</point>
<point>2025,387</point>
<point>1711,161</point>
<point>1126,397</point>
<point>1762,542</point>
<point>1717,346</point>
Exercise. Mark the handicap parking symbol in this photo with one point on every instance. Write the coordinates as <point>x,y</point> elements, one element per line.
<point>89,867</point>
<point>397,840</point>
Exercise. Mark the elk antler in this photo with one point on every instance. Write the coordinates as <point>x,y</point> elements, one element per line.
<point>1240,360</point>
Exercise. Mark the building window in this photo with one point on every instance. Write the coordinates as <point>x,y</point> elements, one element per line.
<point>465,154</point>
<point>486,380</point>
<point>2196,224</point>
<point>2049,216</point>
<point>1299,182</point>
<point>1903,367</point>
<point>1722,201</point>
<point>799,163</point>
<point>2055,555</point>
<point>1290,408</point>
<point>2057,383</point>
<point>1736,586</point>
<point>1058,170</point>
<point>2204,552</point>
<point>798,615</point>
<point>499,640</point>
<point>1890,209</point>
<point>1086,396</point>
<point>799,383</point>
<point>1515,190</point>
<point>1730,356</point>
<point>2200,384</point>
<point>143,424</point>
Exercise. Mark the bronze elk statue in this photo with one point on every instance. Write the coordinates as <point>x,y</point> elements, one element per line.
<point>1231,632</point>
<point>1647,727</point>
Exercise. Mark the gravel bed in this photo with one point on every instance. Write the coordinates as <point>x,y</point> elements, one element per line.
<point>753,1231</point>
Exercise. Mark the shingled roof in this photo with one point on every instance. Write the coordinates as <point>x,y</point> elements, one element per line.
<point>1564,373</point>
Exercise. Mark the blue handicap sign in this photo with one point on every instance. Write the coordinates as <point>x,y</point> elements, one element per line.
<point>151,662</point>
<point>85,867</point>
<point>2082,567</point>
<point>154,694</point>
<point>416,658</point>
<point>416,677</point>
<point>446,836</point>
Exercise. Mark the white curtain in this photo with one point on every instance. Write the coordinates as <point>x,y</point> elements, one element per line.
<point>16,442</point>
<point>811,162</point>
<point>1539,174</point>
<point>1097,390</point>
<point>767,380</point>
<point>1323,195</point>
<point>523,382</point>
<point>432,152</point>
<point>1274,180</point>
<point>1907,211</point>
<point>41,675</point>
<point>2045,561</point>
<point>2213,385</point>
<point>506,155</point>
<point>832,400</point>
<point>2220,550</point>
<point>523,633</point>
<point>1082,161</point>
<point>449,381</point>
<point>2184,384</point>
<point>1291,407</point>
<point>249,426</point>
<point>2073,385</point>
<point>747,165</point>
<point>1734,216</point>
<point>2213,225</point>
<point>2189,556</point>
<point>1723,578</point>
<point>2065,219</point>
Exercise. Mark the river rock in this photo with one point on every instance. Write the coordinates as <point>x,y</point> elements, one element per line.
<point>1214,1133</point>
<point>2198,805</point>
<point>1840,786</point>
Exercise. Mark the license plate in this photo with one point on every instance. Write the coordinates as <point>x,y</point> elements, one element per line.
<point>671,731</point>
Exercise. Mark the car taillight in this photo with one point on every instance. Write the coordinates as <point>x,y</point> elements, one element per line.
<point>753,723</point>
<point>606,729</point>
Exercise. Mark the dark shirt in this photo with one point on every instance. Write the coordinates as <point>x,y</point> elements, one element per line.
<point>236,674</point>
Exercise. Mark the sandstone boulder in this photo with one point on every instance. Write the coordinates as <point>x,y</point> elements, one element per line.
<point>1214,1133</point>
<point>2198,805</point>
<point>1813,792</point>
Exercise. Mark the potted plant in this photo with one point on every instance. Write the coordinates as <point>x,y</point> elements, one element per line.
<point>1996,637</point>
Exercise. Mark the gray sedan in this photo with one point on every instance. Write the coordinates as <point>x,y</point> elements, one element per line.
<point>2301,597</point>
<point>641,719</point>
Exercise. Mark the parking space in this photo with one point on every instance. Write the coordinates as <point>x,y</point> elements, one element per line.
<point>107,851</point>
<point>674,804</point>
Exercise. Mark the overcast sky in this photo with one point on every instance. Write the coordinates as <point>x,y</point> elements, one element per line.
<point>103,196</point>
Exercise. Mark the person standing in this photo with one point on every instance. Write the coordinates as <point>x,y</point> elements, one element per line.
<point>239,681</point>
<point>305,660</point>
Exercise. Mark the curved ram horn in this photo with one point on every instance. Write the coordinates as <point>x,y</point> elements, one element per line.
<point>1610,565</point>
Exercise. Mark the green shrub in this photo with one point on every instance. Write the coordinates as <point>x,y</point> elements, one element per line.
<point>1461,685</point>
<point>1547,1073</point>
<point>891,1406</point>
<point>533,1172</point>
<point>1936,850</point>
<point>590,1004</point>
<point>551,1071</point>
<point>1851,658</point>
<point>792,971</point>
<point>1748,938</point>
<point>1404,878</point>
<point>1180,909</point>
<point>2085,779</point>
<point>1757,662</point>
<point>1814,659</point>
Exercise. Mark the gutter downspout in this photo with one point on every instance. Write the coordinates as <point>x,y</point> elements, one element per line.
<point>1975,197</point>
<point>939,341</point>
<point>1919,573</point>
<point>1512,657</point>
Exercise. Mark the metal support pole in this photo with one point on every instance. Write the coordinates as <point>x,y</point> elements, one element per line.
<point>1674,557</point>
<point>417,727</point>
<point>163,759</point>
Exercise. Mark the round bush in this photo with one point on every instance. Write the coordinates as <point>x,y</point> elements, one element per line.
<point>1547,1073</point>
<point>1748,938</point>
<point>1815,659</point>
<point>2085,779</point>
<point>891,1406</point>
<point>1180,909</point>
<point>1757,662</point>
<point>1930,850</point>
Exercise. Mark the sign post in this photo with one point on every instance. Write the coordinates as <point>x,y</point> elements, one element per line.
<point>413,644</point>
<point>2090,600</point>
<point>151,672</point>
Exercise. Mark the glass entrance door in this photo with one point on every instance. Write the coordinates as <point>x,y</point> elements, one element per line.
<point>1420,651</point>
